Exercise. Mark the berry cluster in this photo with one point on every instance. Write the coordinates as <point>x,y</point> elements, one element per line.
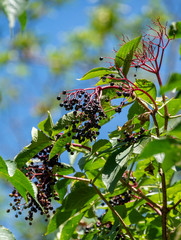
<point>86,106</point>
<point>132,138</point>
<point>40,172</point>
<point>103,229</point>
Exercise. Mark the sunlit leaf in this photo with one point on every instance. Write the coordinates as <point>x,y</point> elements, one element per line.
<point>97,72</point>
<point>125,52</point>
<point>148,87</point>
<point>175,30</point>
<point>39,142</point>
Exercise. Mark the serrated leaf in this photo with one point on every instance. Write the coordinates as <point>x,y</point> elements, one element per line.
<point>101,145</point>
<point>175,30</point>
<point>97,72</point>
<point>69,227</point>
<point>62,122</point>
<point>81,195</point>
<point>148,87</point>
<point>59,146</point>
<point>46,125</point>
<point>115,167</point>
<point>39,142</point>
<point>18,180</point>
<point>174,82</point>
<point>5,234</point>
<point>64,169</point>
<point>13,9</point>
<point>125,50</point>
<point>170,147</point>
<point>127,62</point>
<point>59,218</point>
<point>61,188</point>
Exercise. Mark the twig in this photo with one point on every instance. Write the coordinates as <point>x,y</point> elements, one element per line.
<point>102,197</point>
<point>140,194</point>
<point>174,206</point>
<point>113,210</point>
<point>164,208</point>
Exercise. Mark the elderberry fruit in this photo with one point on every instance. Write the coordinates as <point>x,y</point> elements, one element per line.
<point>40,172</point>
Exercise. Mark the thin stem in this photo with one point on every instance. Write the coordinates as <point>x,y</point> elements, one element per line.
<point>175,205</point>
<point>73,178</point>
<point>113,210</point>
<point>81,146</point>
<point>164,208</point>
<point>166,113</point>
<point>102,197</point>
<point>140,194</point>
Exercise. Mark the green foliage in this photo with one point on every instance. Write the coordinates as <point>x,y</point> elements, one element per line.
<point>128,186</point>
<point>97,72</point>
<point>125,54</point>
<point>175,30</point>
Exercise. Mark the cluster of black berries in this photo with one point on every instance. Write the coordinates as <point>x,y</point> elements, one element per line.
<point>120,199</point>
<point>40,172</point>
<point>104,229</point>
<point>87,108</point>
<point>132,138</point>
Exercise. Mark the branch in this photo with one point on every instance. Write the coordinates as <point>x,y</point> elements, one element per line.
<point>102,197</point>
<point>174,206</point>
<point>113,210</point>
<point>164,208</point>
<point>140,194</point>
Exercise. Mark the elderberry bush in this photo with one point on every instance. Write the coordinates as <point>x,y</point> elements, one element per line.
<point>126,186</point>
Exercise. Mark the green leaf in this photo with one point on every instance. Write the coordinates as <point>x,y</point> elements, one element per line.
<point>108,217</point>
<point>62,122</point>
<point>148,87</point>
<point>115,167</point>
<point>64,169</point>
<point>39,142</point>
<point>69,227</point>
<point>176,131</point>
<point>170,147</point>
<point>61,188</point>
<point>135,217</point>
<point>173,83</point>
<point>23,20</point>
<point>11,165</point>
<point>59,146</point>
<point>17,179</point>
<point>101,145</point>
<point>135,109</point>
<point>13,9</point>
<point>175,30</point>
<point>81,195</point>
<point>5,234</point>
<point>59,218</point>
<point>46,125</point>
<point>127,62</point>
<point>97,72</point>
<point>125,52</point>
